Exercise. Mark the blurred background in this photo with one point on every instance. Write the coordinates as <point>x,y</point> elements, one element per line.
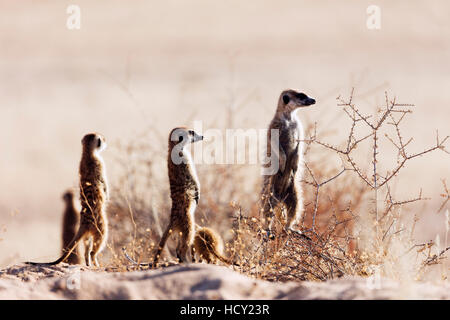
<point>147,66</point>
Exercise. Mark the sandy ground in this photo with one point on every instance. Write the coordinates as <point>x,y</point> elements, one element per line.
<point>197,281</point>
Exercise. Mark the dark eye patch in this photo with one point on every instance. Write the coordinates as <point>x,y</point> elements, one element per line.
<point>191,132</point>
<point>286,99</point>
<point>301,96</point>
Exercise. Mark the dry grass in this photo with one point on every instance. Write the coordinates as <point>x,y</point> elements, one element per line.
<point>356,225</point>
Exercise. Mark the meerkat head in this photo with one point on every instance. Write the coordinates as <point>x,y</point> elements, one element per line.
<point>93,142</point>
<point>183,136</point>
<point>179,138</point>
<point>291,100</point>
<point>68,196</point>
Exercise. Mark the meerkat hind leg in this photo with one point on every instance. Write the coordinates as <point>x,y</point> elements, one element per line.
<point>184,244</point>
<point>194,260</point>
<point>87,250</point>
<point>268,212</point>
<point>98,244</point>
<point>181,251</point>
<point>291,207</point>
<point>293,213</point>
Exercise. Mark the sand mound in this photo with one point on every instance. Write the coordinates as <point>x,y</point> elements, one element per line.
<point>190,282</point>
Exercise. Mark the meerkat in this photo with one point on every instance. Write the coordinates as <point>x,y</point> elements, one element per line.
<point>283,187</point>
<point>184,192</point>
<point>208,246</point>
<point>69,227</point>
<point>93,227</point>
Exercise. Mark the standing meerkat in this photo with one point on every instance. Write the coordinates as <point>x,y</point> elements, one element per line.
<point>71,219</point>
<point>208,246</point>
<point>93,195</point>
<point>283,186</point>
<point>184,192</point>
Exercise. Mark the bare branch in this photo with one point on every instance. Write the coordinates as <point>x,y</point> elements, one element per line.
<point>445,195</point>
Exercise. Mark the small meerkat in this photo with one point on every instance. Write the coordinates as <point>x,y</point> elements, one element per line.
<point>69,227</point>
<point>208,246</point>
<point>283,187</point>
<point>184,192</point>
<point>93,195</point>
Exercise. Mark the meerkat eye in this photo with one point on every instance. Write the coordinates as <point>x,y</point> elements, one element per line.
<point>286,99</point>
<point>191,132</point>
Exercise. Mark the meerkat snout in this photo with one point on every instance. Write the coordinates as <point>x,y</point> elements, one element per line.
<point>294,100</point>
<point>194,136</point>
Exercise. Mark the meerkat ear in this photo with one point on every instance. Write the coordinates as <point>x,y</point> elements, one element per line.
<point>286,99</point>
<point>99,143</point>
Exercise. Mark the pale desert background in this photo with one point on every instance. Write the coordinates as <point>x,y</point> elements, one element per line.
<point>140,64</point>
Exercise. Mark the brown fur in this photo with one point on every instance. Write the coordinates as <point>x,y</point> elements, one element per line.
<point>283,187</point>
<point>93,196</point>
<point>184,192</point>
<point>71,219</point>
<point>208,246</point>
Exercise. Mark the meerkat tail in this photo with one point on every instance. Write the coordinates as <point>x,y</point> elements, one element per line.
<point>72,245</point>
<point>220,257</point>
<point>162,243</point>
<point>225,260</point>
